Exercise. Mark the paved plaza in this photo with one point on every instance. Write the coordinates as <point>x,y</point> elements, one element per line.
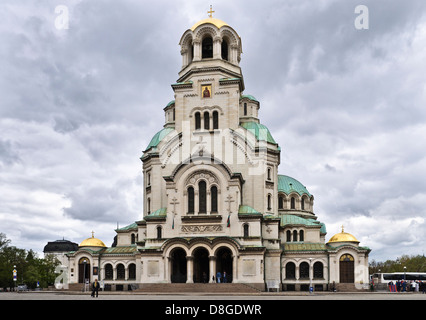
<point>211,297</point>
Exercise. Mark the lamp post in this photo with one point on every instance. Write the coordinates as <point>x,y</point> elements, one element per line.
<point>405,270</point>
<point>15,276</point>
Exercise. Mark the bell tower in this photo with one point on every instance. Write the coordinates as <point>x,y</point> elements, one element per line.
<point>210,84</point>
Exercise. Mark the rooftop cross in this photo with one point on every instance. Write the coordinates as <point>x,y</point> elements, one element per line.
<point>93,234</point>
<point>211,12</point>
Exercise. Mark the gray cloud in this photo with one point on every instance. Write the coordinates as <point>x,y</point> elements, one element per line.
<point>78,106</point>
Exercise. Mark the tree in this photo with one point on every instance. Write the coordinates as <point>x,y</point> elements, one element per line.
<point>412,264</point>
<point>30,268</point>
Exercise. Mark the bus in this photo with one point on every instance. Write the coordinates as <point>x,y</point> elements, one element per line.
<point>395,276</point>
<point>381,280</point>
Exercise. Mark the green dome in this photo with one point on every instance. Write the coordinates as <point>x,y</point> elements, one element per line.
<point>250,97</point>
<point>288,185</point>
<point>159,137</point>
<point>261,132</point>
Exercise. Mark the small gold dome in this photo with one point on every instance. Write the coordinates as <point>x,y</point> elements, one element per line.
<point>92,242</point>
<point>216,22</point>
<point>343,237</point>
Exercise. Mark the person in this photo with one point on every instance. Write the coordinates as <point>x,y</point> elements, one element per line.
<point>95,288</point>
<point>218,277</point>
<point>224,277</point>
<point>204,277</point>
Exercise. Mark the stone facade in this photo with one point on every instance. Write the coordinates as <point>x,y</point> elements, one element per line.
<point>213,198</point>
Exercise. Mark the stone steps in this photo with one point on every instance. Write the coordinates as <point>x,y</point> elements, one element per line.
<point>347,287</point>
<point>196,287</point>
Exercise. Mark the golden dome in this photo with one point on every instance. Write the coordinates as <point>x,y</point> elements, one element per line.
<point>343,237</point>
<point>216,22</point>
<point>92,242</point>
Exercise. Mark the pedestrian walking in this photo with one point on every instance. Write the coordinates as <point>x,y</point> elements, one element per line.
<point>218,277</point>
<point>95,288</point>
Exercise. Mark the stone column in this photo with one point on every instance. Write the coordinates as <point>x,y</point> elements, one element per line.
<point>196,202</point>
<point>209,202</point>
<point>184,53</point>
<point>189,269</point>
<point>197,50</point>
<point>234,269</point>
<point>212,268</point>
<point>217,48</point>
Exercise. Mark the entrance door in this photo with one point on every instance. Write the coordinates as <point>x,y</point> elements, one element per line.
<point>201,265</point>
<point>83,270</point>
<point>224,263</point>
<point>178,266</point>
<point>347,269</point>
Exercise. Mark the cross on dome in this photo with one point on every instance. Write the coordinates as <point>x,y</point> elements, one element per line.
<point>211,12</point>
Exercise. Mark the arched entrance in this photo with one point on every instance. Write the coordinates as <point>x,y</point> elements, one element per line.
<point>178,272</point>
<point>347,269</point>
<point>83,270</point>
<point>224,263</point>
<point>201,265</point>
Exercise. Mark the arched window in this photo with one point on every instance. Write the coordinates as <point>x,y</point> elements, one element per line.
<point>269,173</point>
<point>191,200</point>
<point>293,203</point>
<point>304,270</point>
<point>318,270</point>
<point>213,195</point>
<point>245,108</point>
<point>109,273</point>
<point>301,235</point>
<point>225,52</point>
<point>290,271</point>
<point>202,197</point>
<point>149,205</point>
<point>133,238</point>
<point>246,230</point>
<point>303,203</point>
<point>206,121</point>
<point>215,120</point>
<point>132,271</point>
<point>190,54</point>
<point>159,232</point>
<point>121,273</point>
<point>207,48</point>
<point>197,121</point>
<point>288,236</point>
<point>295,236</point>
<point>269,202</point>
<point>280,202</point>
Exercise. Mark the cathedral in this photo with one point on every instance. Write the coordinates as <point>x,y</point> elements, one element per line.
<point>215,206</point>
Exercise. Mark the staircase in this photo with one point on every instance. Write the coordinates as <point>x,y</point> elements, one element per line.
<point>347,287</point>
<point>196,288</point>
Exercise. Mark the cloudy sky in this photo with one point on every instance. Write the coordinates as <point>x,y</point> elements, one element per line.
<point>78,106</point>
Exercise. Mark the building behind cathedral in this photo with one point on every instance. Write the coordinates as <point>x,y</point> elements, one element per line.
<point>214,200</point>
